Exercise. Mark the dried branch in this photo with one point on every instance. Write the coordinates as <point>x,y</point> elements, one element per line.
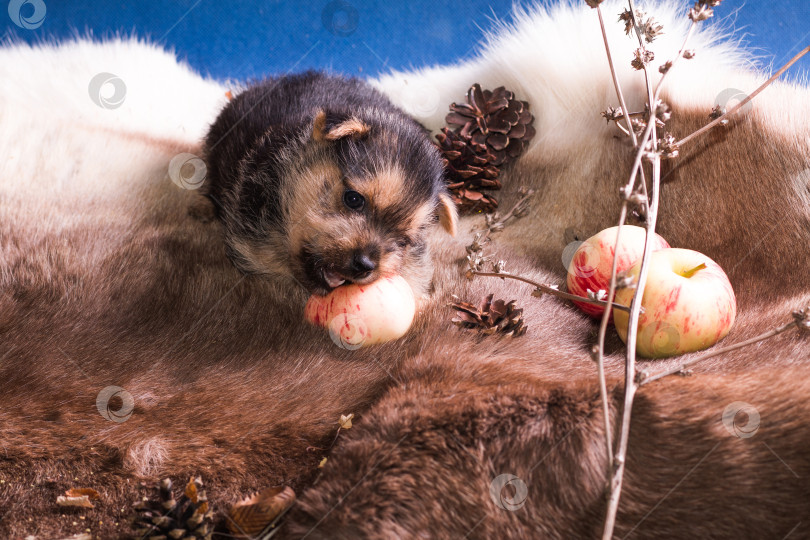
<point>616,84</point>
<point>616,114</point>
<point>495,223</point>
<point>720,119</point>
<point>475,256</point>
<point>600,350</point>
<point>649,138</point>
<point>801,322</point>
<point>682,53</point>
<point>548,289</point>
<point>643,56</point>
<point>651,148</point>
<point>630,385</point>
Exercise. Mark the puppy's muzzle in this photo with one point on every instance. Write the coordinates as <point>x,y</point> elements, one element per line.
<point>360,267</point>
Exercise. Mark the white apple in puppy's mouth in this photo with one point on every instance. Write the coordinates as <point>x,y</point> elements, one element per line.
<point>357,315</point>
<point>688,303</point>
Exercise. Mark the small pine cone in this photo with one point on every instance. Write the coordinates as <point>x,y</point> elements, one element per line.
<point>495,119</point>
<point>490,317</point>
<point>167,517</point>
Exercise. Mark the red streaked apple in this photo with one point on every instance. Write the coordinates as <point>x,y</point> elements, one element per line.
<point>688,303</point>
<point>592,262</point>
<point>360,315</point>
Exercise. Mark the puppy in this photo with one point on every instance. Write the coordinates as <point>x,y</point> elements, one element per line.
<point>323,180</point>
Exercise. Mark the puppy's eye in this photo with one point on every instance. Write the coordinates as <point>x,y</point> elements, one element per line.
<point>402,243</point>
<point>353,200</point>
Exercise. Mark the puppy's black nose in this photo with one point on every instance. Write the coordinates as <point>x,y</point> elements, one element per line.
<point>362,265</point>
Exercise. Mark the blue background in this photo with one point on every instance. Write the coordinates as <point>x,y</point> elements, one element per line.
<point>237,39</point>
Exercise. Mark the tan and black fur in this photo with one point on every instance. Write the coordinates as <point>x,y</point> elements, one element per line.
<point>284,155</point>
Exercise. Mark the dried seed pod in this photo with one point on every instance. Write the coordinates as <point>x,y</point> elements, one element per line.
<point>802,319</point>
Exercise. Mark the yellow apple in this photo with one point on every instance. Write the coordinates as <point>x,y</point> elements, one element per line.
<point>688,303</point>
<point>592,261</point>
<point>359,315</point>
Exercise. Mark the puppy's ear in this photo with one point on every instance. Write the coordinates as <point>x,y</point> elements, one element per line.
<point>319,126</point>
<point>448,213</point>
<point>350,127</point>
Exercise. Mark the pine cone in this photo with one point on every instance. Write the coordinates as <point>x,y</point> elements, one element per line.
<point>469,170</point>
<point>167,518</point>
<point>495,119</point>
<point>490,317</point>
<point>489,130</point>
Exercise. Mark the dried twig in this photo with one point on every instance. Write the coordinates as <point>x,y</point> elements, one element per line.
<point>647,146</point>
<point>744,102</point>
<point>630,385</point>
<point>475,251</point>
<point>801,321</point>
<point>616,84</point>
<point>648,139</point>
<point>495,223</point>
<point>644,54</point>
<point>600,349</point>
<point>548,289</point>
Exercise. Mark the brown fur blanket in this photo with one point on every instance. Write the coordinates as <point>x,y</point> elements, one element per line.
<point>110,275</point>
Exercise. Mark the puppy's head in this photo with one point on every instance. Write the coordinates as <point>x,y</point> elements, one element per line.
<point>359,200</point>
